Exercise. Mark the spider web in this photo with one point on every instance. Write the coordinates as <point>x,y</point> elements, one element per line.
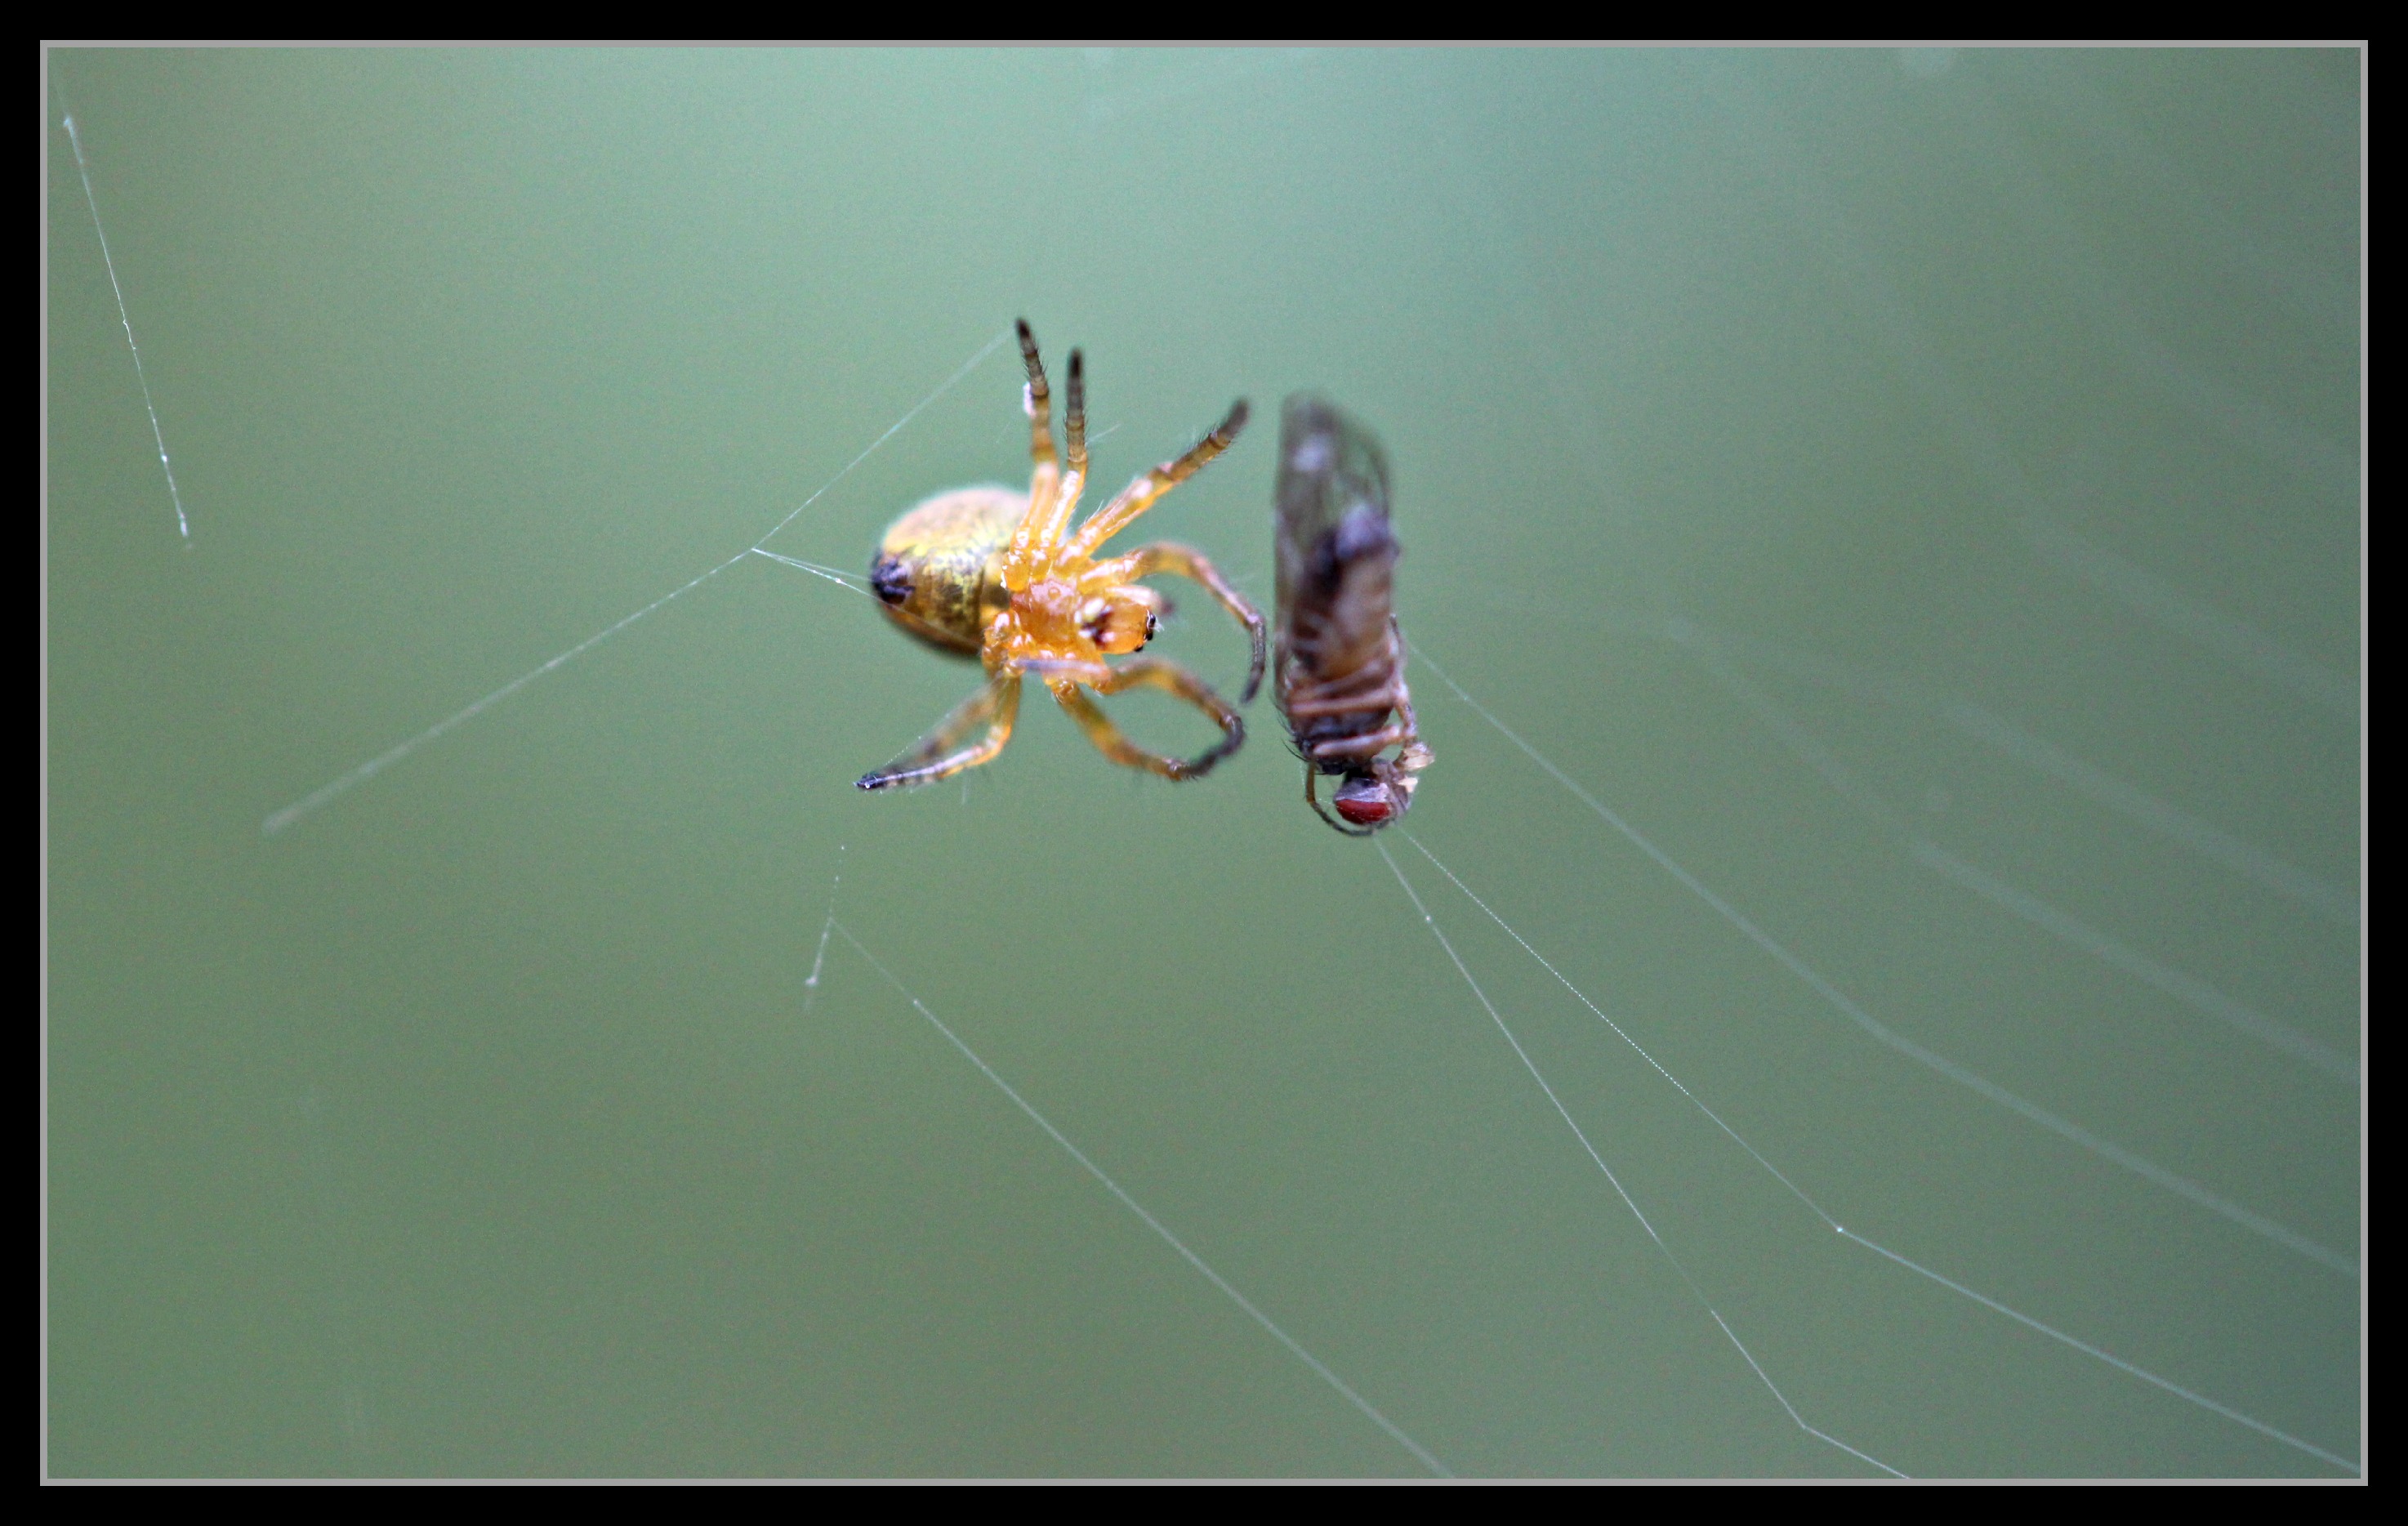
<point>1768,685</point>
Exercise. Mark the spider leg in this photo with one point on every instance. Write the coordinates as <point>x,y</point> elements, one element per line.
<point>939,753</point>
<point>1074,431</point>
<point>1153,674</point>
<point>1045,475</point>
<point>1183,562</point>
<point>1140,495</point>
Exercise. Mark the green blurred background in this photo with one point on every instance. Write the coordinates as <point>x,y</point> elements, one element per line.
<point>1919,490</point>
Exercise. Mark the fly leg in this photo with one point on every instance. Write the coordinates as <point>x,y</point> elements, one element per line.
<point>1357,747</point>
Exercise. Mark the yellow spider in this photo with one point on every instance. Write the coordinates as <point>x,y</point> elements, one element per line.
<point>986,571</point>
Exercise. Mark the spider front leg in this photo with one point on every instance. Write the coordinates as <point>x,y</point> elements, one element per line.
<point>1142,493</point>
<point>1184,562</point>
<point>939,753</point>
<point>1045,471</point>
<point>1053,494</point>
<point>1155,673</point>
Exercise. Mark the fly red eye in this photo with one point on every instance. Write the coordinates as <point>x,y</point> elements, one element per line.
<point>1365,802</point>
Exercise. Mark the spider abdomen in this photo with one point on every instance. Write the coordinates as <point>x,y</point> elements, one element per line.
<point>938,569</point>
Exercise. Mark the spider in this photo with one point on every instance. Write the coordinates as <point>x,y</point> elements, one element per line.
<point>988,572</point>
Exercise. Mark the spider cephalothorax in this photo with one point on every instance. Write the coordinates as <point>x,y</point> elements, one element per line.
<point>999,574</point>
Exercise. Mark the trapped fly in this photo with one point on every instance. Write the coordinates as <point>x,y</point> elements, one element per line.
<point>1340,655</point>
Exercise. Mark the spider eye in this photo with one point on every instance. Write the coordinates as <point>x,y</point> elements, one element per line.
<point>889,578</point>
<point>1116,625</point>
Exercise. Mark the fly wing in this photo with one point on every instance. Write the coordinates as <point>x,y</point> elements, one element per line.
<point>1333,543</point>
